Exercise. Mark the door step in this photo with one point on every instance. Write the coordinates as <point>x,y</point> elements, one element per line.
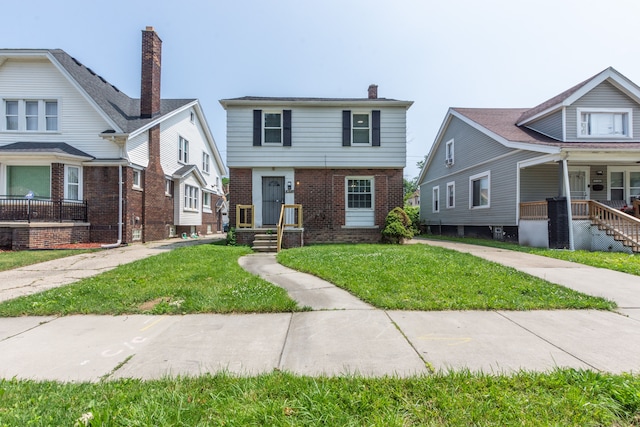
<point>265,242</point>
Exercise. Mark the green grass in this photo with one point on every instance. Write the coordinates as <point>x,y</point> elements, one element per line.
<point>559,398</point>
<point>422,277</point>
<point>14,259</point>
<point>195,279</point>
<point>618,261</point>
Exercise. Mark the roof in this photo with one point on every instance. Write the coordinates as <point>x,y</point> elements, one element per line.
<point>119,107</point>
<point>60,148</point>
<point>265,100</point>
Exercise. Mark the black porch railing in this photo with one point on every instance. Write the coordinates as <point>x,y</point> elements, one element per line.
<point>19,208</point>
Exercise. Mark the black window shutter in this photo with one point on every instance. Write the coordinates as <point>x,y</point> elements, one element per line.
<point>346,128</point>
<point>257,128</point>
<point>375,129</point>
<point>286,128</point>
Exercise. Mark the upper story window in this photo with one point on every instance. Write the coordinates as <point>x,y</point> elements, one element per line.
<point>361,129</point>
<point>610,123</point>
<point>206,162</point>
<point>449,153</point>
<point>183,150</point>
<point>137,179</point>
<point>31,115</point>
<point>273,128</point>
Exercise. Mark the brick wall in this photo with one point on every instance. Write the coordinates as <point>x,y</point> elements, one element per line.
<point>132,212</point>
<point>321,192</point>
<point>57,181</point>
<point>157,213</point>
<point>240,185</point>
<point>46,237</point>
<point>100,189</point>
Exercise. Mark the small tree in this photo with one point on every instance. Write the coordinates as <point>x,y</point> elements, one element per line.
<point>397,227</point>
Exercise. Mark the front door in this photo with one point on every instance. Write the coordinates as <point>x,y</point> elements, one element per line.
<point>272,199</point>
<point>578,183</point>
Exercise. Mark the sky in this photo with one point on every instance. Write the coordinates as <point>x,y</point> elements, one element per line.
<point>438,54</point>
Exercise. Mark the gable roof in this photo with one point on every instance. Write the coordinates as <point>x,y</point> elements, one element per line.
<point>570,95</point>
<point>187,170</point>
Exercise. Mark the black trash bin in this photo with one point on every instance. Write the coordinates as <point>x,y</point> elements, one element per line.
<point>558,223</point>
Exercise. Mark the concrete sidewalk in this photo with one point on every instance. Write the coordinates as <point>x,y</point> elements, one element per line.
<point>343,335</point>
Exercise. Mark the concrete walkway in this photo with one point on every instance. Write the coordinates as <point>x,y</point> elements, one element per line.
<point>342,335</point>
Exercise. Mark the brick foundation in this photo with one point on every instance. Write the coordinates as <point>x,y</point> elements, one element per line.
<point>43,236</point>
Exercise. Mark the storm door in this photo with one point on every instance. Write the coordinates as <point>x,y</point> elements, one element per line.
<point>578,184</point>
<point>272,199</point>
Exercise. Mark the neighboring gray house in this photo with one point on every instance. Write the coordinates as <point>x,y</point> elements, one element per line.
<point>513,173</point>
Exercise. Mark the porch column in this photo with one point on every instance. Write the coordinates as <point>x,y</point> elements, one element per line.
<point>567,193</point>
<point>562,169</point>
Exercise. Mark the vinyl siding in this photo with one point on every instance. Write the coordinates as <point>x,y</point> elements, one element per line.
<point>550,125</point>
<point>79,123</point>
<point>316,140</point>
<point>538,182</point>
<point>603,96</point>
<point>182,216</point>
<point>475,153</point>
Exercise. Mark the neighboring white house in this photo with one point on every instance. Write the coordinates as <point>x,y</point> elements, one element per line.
<point>101,166</point>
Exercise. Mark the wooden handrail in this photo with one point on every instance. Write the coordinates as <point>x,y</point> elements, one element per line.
<point>533,210</point>
<point>283,222</point>
<point>245,216</point>
<point>623,225</point>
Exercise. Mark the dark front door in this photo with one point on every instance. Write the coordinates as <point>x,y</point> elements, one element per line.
<point>272,199</point>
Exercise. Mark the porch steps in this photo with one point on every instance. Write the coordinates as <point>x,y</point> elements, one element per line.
<point>265,243</point>
<point>621,235</point>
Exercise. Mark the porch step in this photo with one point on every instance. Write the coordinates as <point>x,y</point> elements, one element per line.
<point>265,243</point>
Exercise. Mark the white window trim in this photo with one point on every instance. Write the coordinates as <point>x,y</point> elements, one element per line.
<point>626,177</point>
<point>476,177</point>
<point>449,160</point>
<point>22,116</point>
<point>206,163</point>
<point>206,206</point>
<point>627,111</point>
<point>66,183</point>
<point>346,193</point>
<point>451,185</point>
<point>183,150</point>
<point>138,185</point>
<point>264,127</point>
<point>167,187</point>
<point>191,199</point>
<point>353,128</point>
<point>435,199</point>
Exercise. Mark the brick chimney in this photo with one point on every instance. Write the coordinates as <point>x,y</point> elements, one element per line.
<point>373,91</point>
<point>150,79</point>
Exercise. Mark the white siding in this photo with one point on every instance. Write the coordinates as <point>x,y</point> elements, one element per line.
<point>79,123</point>
<point>182,216</point>
<point>316,134</point>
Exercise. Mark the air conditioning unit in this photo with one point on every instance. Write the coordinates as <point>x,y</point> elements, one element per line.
<point>448,162</point>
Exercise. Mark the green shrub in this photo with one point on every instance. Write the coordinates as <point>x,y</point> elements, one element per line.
<point>397,226</point>
<point>413,212</point>
<point>231,237</point>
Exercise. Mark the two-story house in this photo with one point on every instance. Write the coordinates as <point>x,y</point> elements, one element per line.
<point>563,174</point>
<point>80,161</point>
<point>339,160</point>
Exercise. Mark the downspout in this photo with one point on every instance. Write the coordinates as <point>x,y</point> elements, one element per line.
<point>567,192</point>
<point>120,184</point>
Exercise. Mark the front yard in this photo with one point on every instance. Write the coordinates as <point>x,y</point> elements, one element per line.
<point>208,279</point>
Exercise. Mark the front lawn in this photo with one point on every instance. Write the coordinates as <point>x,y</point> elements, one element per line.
<point>421,277</point>
<point>559,398</point>
<point>14,259</point>
<point>195,279</point>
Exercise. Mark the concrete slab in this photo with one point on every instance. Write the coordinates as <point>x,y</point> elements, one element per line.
<point>604,340</point>
<point>623,289</point>
<point>632,313</point>
<point>365,342</point>
<point>478,341</point>
<point>12,326</point>
<point>307,290</point>
<point>78,348</point>
<point>197,344</point>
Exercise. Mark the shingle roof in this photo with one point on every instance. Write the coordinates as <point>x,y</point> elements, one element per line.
<point>44,147</point>
<point>122,109</point>
<point>502,122</point>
